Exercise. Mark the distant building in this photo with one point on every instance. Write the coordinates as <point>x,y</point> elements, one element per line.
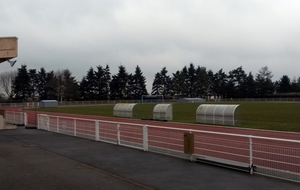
<point>48,103</point>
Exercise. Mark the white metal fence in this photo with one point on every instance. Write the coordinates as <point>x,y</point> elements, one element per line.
<point>273,157</point>
<point>71,103</point>
<point>78,103</point>
<point>16,118</point>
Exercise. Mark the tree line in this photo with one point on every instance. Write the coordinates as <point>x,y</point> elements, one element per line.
<point>100,84</point>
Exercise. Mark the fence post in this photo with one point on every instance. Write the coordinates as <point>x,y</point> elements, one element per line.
<point>250,155</point>
<point>74,127</point>
<point>118,134</point>
<point>38,121</point>
<point>57,124</point>
<point>145,138</point>
<point>48,127</point>
<point>25,118</point>
<point>96,130</point>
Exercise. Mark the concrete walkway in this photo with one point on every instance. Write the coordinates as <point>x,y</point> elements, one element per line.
<point>35,159</point>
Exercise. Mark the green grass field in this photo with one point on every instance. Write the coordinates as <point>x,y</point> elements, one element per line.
<point>281,116</point>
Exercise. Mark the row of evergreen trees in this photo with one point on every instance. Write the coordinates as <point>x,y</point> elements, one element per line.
<point>198,82</point>
<point>191,81</point>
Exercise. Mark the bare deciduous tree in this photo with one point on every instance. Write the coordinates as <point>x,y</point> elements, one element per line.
<point>57,83</point>
<point>64,85</point>
<point>6,82</point>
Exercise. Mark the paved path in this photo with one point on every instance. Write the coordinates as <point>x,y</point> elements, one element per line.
<point>35,159</point>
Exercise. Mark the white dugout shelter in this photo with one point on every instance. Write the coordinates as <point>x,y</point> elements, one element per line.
<point>163,112</point>
<point>218,114</point>
<point>123,110</point>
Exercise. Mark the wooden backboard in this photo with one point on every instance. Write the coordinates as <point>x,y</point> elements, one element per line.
<point>8,48</point>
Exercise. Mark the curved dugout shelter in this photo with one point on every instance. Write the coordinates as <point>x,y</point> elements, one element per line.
<point>163,112</point>
<point>218,114</point>
<point>123,110</point>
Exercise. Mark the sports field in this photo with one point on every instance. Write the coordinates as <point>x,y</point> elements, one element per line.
<point>280,116</point>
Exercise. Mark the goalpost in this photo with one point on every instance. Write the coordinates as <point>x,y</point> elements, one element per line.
<point>152,98</point>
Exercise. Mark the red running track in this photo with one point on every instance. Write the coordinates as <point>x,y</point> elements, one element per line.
<point>32,120</point>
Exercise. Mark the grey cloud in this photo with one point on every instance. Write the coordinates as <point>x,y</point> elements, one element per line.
<point>153,34</point>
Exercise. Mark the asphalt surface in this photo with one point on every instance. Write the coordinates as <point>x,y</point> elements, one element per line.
<point>36,159</point>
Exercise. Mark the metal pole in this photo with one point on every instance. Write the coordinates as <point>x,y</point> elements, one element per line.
<point>97,130</point>
<point>74,127</point>
<point>250,155</point>
<point>118,134</point>
<point>145,138</point>
<point>23,112</point>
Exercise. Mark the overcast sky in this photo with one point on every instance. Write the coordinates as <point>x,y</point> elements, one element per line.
<point>153,34</point>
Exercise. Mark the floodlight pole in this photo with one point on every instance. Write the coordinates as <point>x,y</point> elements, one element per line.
<point>23,108</point>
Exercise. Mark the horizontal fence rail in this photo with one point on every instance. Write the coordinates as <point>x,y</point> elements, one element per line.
<point>273,157</point>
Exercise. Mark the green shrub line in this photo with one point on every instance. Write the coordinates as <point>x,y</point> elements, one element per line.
<point>278,116</point>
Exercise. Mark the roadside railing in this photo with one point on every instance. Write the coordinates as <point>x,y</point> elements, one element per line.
<point>16,118</point>
<point>273,157</point>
